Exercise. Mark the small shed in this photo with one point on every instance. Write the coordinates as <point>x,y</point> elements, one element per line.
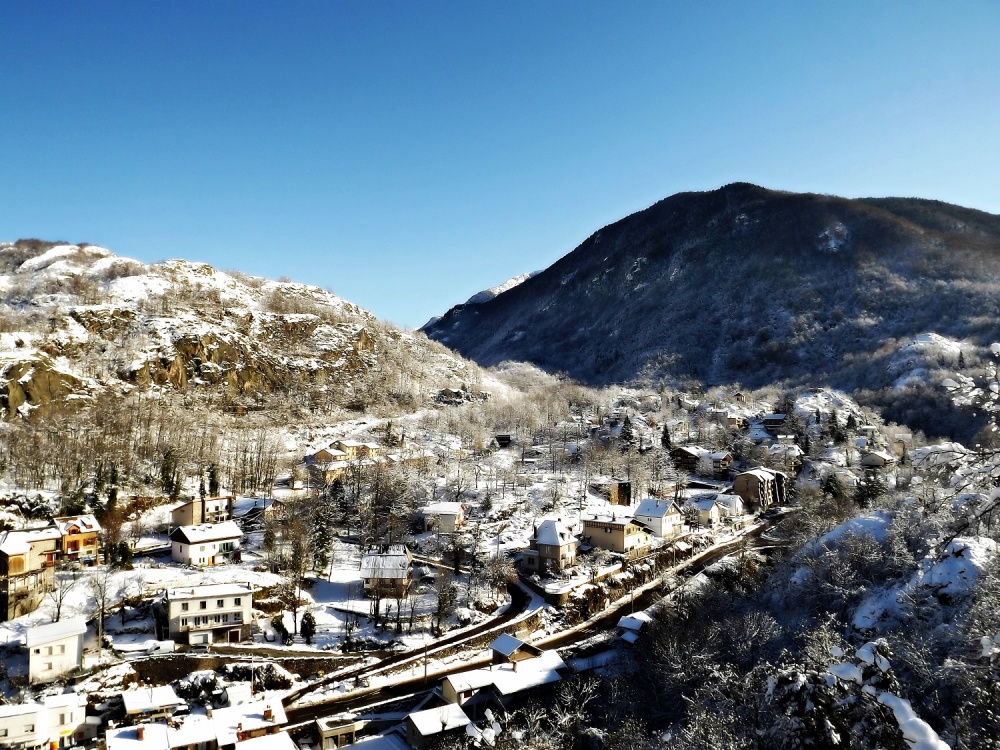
<point>509,650</point>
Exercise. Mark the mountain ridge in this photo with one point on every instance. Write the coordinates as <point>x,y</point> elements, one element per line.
<point>750,285</point>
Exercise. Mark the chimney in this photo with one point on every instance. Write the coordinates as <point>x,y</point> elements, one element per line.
<point>208,712</point>
<point>268,714</point>
<point>140,732</point>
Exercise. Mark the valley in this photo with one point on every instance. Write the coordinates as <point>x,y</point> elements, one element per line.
<point>205,468</point>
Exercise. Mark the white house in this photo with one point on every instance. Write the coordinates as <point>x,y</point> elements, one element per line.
<point>151,704</point>
<point>211,613</point>
<point>664,517</point>
<point>709,511</point>
<point>55,649</point>
<point>878,459</point>
<point>58,721</point>
<point>733,505</point>
<point>206,544</point>
<point>445,517</point>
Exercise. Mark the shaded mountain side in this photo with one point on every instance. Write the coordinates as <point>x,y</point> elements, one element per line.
<point>744,284</point>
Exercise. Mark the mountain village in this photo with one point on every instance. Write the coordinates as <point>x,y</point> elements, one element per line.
<point>426,557</point>
<point>211,581</point>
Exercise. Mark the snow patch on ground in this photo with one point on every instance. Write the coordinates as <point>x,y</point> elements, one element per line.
<point>949,579</point>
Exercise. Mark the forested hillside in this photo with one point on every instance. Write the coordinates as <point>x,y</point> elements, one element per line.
<point>755,286</point>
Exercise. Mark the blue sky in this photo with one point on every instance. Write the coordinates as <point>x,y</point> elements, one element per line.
<point>406,155</point>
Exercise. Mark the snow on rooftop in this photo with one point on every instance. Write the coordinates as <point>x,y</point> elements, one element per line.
<point>553,531</point>
<point>433,721</point>
<point>653,507</point>
<point>150,699</point>
<point>209,532</point>
<point>55,631</point>
<point>635,621</point>
<point>249,716</point>
<point>209,589</point>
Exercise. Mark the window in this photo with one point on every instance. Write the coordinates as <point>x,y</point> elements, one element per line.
<point>3,732</point>
<point>48,650</point>
<point>204,605</point>
<point>62,649</point>
<point>220,603</point>
<point>48,666</point>
<point>184,621</point>
<point>237,617</point>
<point>29,728</point>
<point>237,601</point>
<point>184,607</point>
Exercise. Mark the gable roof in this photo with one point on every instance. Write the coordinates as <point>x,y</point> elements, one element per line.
<point>84,524</point>
<point>148,699</point>
<point>635,621</point>
<point>55,631</point>
<point>554,532</point>
<point>443,508</point>
<point>393,563</point>
<point>441,719</point>
<point>206,532</point>
<point>651,507</point>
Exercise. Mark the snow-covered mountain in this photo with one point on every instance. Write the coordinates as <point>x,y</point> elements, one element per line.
<point>487,294</point>
<point>77,320</point>
<point>755,286</point>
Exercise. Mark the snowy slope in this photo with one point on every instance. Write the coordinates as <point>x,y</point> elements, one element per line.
<point>78,319</point>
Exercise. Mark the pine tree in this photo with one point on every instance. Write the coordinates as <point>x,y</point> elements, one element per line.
<point>213,480</point>
<point>665,437</point>
<point>627,434</point>
<point>308,626</point>
<point>870,489</point>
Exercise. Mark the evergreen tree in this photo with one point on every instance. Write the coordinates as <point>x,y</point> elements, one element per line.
<point>870,489</point>
<point>213,480</point>
<point>627,434</point>
<point>123,555</point>
<point>321,534</point>
<point>665,437</point>
<point>308,626</point>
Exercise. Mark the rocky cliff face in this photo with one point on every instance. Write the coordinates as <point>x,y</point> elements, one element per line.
<point>79,320</point>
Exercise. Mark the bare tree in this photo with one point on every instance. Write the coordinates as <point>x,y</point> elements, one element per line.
<point>106,593</point>
<point>64,582</point>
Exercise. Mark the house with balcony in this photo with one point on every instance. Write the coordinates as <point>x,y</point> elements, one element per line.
<point>207,544</point>
<point>55,649</point>
<point>761,488</point>
<point>552,547</point>
<point>78,538</point>
<point>663,517</point>
<point>206,614</point>
<point>617,532</point>
<point>203,510</point>
<point>27,561</point>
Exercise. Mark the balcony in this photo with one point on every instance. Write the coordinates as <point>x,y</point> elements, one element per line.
<point>235,621</point>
